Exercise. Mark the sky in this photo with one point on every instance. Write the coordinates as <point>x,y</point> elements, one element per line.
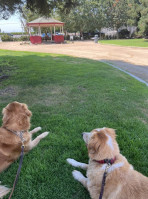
<point>13,24</point>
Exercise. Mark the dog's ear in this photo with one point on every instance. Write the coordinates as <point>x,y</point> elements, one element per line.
<point>11,107</point>
<point>3,111</point>
<point>111,132</point>
<point>27,112</point>
<point>6,116</point>
<point>96,141</point>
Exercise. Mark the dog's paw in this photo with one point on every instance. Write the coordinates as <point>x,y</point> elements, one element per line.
<point>72,162</point>
<point>43,135</point>
<point>35,130</point>
<point>77,175</point>
<point>38,128</point>
<point>4,191</point>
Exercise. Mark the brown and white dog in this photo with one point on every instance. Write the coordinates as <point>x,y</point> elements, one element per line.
<point>16,118</point>
<point>122,181</point>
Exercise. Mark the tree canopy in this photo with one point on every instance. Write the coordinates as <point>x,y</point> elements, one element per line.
<point>143,21</point>
<point>43,7</point>
<point>83,15</point>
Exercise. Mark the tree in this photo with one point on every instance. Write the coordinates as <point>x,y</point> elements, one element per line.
<point>8,7</point>
<point>26,16</point>
<point>44,7</point>
<point>88,16</point>
<point>143,22</point>
<point>133,12</point>
<point>116,13</point>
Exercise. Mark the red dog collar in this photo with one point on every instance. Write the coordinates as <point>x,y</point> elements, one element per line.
<point>106,161</point>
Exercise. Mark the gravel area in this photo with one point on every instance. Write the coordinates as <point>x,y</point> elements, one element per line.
<point>131,59</point>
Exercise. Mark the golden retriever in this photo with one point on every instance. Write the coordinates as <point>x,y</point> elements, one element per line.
<point>122,181</point>
<point>16,118</point>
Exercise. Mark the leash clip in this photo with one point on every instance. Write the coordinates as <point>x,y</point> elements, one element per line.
<point>107,167</point>
<point>22,139</point>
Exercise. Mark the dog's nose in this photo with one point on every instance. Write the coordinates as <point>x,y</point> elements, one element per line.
<point>82,134</point>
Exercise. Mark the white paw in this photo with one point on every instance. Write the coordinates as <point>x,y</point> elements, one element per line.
<point>77,175</point>
<point>38,129</point>
<point>43,135</point>
<point>72,162</point>
<point>4,190</point>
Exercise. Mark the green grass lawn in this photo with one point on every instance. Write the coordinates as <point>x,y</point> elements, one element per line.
<point>127,42</point>
<point>68,96</point>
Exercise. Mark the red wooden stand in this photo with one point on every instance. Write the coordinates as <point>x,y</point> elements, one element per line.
<point>36,39</point>
<point>58,38</point>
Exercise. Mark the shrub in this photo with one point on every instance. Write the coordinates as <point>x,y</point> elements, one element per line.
<point>24,38</point>
<point>15,39</point>
<point>6,37</point>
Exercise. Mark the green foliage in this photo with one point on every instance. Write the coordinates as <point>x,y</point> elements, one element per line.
<point>116,13</point>
<point>133,12</point>
<point>8,7</point>
<point>91,15</point>
<point>143,22</point>
<point>6,37</point>
<point>68,96</point>
<point>24,38</point>
<point>88,16</point>
<point>18,33</point>
<point>44,7</point>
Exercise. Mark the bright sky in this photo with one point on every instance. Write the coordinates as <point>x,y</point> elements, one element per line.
<point>13,24</point>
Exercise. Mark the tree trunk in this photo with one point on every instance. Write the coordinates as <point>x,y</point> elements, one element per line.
<point>81,35</point>
<point>117,33</point>
<point>100,34</point>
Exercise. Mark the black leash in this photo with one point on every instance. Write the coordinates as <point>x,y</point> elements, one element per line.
<point>18,171</point>
<point>104,180</point>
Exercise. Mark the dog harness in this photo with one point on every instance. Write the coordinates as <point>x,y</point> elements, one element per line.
<point>17,133</point>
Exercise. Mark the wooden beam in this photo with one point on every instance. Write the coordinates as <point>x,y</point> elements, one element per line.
<point>51,32</point>
<point>54,30</point>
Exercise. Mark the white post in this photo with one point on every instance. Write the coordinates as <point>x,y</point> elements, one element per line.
<point>29,30</point>
<point>54,30</point>
<point>51,32</point>
<point>39,30</point>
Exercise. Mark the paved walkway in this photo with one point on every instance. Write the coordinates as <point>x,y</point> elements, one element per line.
<point>131,59</point>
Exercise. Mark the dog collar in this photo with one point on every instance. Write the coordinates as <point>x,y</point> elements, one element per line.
<point>106,161</point>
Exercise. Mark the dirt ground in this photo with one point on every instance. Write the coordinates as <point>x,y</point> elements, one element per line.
<point>131,59</point>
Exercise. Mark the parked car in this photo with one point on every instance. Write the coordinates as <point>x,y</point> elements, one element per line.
<point>9,34</point>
